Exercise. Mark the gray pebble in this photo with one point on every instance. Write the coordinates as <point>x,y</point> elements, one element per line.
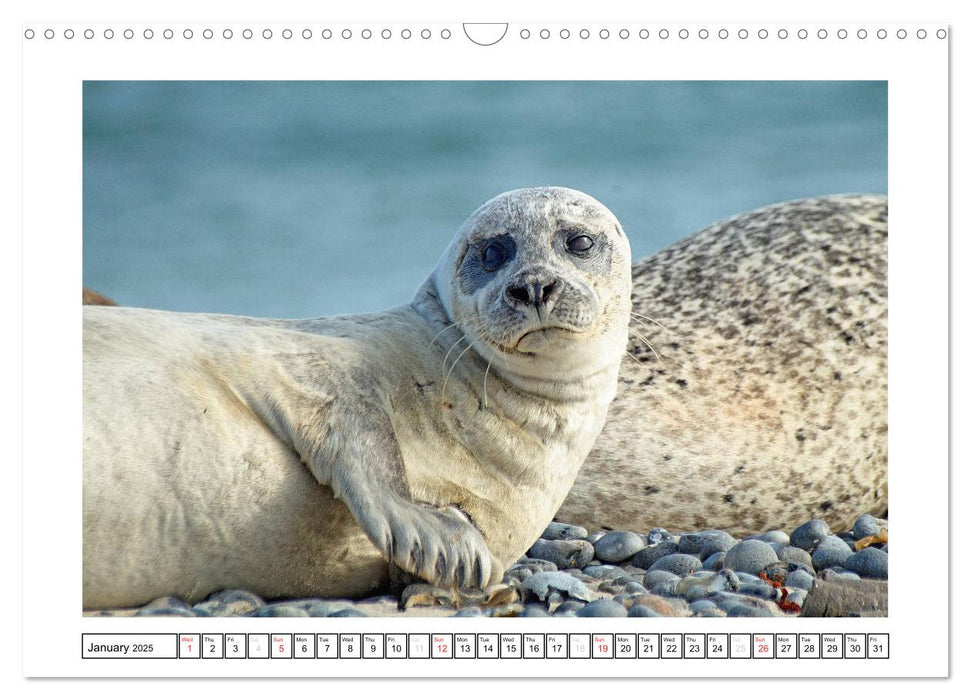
<point>654,579</point>
<point>534,610</point>
<point>744,577</point>
<point>605,572</point>
<point>758,590</point>
<point>794,555</point>
<point>328,608</point>
<point>564,531</point>
<point>167,602</point>
<point>748,611</point>
<point>593,537</point>
<point>800,579</point>
<point>658,534</point>
<point>866,526</point>
<point>166,612</point>
<point>750,556</point>
<point>569,606</point>
<point>809,534</point>
<point>635,587</point>
<point>869,563</point>
<point>772,537</point>
<point>646,558</point>
<point>541,585</point>
<point>603,608</point>
<point>715,562</point>
<point>565,554</point>
<point>797,596</point>
<point>699,605</point>
<point>468,611</point>
<point>838,573</point>
<point>680,564</point>
<point>237,601</point>
<point>704,544</point>
<point>279,610</point>
<point>831,551</point>
<point>642,611</point>
<point>350,612</point>
<point>211,608</point>
<point>618,545</point>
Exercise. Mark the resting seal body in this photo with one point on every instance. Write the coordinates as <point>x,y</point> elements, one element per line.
<point>297,458</point>
<point>768,405</point>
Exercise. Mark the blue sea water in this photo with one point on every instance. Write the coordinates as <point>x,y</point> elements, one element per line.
<point>296,199</point>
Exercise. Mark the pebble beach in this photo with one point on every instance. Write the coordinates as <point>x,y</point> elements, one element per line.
<point>570,572</point>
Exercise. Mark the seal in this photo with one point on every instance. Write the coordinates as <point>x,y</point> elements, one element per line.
<point>766,403</point>
<point>300,457</point>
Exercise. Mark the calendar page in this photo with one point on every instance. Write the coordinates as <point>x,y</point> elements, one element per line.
<point>485,347</point>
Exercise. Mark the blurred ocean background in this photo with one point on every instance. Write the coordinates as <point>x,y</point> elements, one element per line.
<point>298,199</point>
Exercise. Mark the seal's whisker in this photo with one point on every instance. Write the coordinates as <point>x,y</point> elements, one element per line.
<point>451,325</point>
<point>644,340</point>
<point>449,352</point>
<point>634,314</point>
<point>445,383</point>
<point>485,379</point>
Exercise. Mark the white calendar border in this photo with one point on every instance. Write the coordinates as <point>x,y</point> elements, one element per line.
<point>918,322</point>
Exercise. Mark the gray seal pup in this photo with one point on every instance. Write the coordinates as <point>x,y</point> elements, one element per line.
<point>766,404</point>
<point>299,457</point>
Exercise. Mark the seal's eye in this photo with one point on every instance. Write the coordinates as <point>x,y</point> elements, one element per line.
<point>579,244</point>
<point>493,256</point>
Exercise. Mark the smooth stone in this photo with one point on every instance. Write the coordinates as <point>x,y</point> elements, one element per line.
<point>646,557</point>
<point>211,608</point>
<point>618,546</point>
<point>703,583</point>
<point>605,572</point>
<point>167,602</point>
<point>635,587</point>
<point>750,556</point>
<point>469,611</point>
<point>809,534</point>
<point>565,554</point>
<point>715,562</point>
<point>593,537</point>
<point>794,555</point>
<point>869,563</point>
<point>328,608</point>
<point>704,544</point>
<point>665,607</point>
<point>564,531</point>
<point>711,612</point>
<point>641,611</point>
<point>749,611</point>
<point>165,612</point>
<point>758,590</point>
<point>654,579</point>
<point>866,526</point>
<point>541,585</point>
<point>797,596</point>
<point>657,535</point>
<point>238,601</point>
<point>350,612</point>
<point>534,610</point>
<point>701,605</point>
<point>800,579</point>
<point>679,564</point>
<point>279,610</point>
<point>847,598</point>
<point>569,606</point>
<point>831,551</point>
<point>838,573</point>
<point>772,537</point>
<point>602,608</point>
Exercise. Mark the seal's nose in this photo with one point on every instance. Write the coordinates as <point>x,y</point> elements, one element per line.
<point>533,292</point>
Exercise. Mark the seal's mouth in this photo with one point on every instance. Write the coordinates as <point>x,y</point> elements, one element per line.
<point>541,334</point>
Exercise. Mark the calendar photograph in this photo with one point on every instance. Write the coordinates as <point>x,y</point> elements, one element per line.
<point>485,349</point>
